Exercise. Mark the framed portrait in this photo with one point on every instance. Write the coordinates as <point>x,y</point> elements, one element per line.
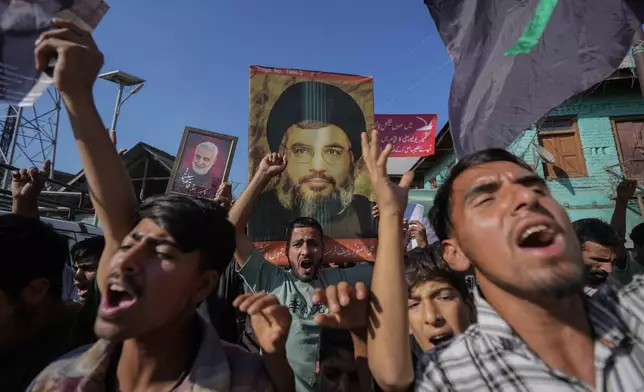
<point>202,163</point>
<point>315,119</point>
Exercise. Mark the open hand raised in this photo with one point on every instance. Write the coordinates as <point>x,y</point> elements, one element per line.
<point>270,320</point>
<point>347,306</point>
<point>391,198</point>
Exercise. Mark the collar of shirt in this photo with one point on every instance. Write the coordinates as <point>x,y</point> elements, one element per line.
<point>218,367</point>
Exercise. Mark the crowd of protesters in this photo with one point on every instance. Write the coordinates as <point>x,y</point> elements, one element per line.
<point>175,296</point>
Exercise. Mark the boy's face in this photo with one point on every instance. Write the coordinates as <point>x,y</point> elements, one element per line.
<point>339,372</point>
<point>437,313</point>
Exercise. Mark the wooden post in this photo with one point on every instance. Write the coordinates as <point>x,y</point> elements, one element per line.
<point>638,39</point>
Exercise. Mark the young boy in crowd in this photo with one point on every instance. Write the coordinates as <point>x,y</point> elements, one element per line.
<point>436,296</point>
<point>439,304</point>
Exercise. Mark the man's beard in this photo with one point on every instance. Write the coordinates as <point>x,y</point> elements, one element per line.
<point>200,171</point>
<point>294,271</point>
<point>323,209</point>
<point>554,287</point>
<point>28,17</point>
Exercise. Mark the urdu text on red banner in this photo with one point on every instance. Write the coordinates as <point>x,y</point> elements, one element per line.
<point>411,135</point>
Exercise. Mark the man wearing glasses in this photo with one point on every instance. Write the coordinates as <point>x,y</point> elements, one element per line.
<point>317,127</point>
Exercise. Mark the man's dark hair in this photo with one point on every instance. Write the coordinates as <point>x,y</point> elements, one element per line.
<point>195,224</point>
<point>597,231</point>
<point>637,234</point>
<point>422,265</point>
<point>440,215</point>
<point>33,250</point>
<point>90,248</point>
<point>301,223</point>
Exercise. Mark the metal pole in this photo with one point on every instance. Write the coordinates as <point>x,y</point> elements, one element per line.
<point>12,150</point>
<point>638,57</point>
<point>55,141</point>
<point>117,107</point>
<point>145,176</point>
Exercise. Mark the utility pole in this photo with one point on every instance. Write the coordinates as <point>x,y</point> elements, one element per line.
<point>638,57</point>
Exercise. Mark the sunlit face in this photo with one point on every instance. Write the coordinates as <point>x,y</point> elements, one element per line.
<point>137,300</point>
<point>599,257</point>
<point>319,160</point>
<point>516,234</point>
<point>84,276</point>
<point>339,372</point>
<point>437,313</point>
<point>305,252</point>
<point>203,160</point>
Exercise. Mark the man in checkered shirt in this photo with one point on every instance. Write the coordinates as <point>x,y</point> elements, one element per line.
<point>536,330</point>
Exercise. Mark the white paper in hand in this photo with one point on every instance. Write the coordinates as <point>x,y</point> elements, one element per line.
<point>414,212</point>
<point>21,23</point>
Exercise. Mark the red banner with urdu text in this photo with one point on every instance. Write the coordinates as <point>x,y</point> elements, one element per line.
<point>411,135</point>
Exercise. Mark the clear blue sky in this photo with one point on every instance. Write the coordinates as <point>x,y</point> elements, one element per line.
<point>195,58</point>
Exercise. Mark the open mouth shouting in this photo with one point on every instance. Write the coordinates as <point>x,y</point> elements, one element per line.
<point>444,338</point>
<point>82,289</point>
<point>540,236</point>
<point>118,299</point>
<point>306,267</point>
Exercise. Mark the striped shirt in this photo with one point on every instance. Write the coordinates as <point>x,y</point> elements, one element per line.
<point>489,356</point>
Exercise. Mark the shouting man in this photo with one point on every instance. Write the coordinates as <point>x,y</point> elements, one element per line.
<point>151,338</point>
<point>294,288</point>
<point>317,127</point>
<point>536,330</point>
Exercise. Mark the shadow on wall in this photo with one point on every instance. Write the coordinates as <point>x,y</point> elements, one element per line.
<point>563,180</point>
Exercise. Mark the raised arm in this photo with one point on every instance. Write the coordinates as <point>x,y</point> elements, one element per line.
<point>111,191</point>
<point>271,166</point>
<point>389,350</point>
<point>625,191</point>
<point>26,186</point>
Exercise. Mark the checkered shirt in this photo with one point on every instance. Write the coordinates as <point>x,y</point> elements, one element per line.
<point>489,356</point>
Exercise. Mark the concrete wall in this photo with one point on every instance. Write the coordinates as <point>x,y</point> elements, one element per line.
<point>591,196</point>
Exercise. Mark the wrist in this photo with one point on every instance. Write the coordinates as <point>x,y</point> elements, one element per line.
<point>79,100</point>
<point>621,201</point>
<point>263,176</point>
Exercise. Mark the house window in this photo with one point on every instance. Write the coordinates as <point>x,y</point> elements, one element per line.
<point>560,137</point>
<point>629,135</point>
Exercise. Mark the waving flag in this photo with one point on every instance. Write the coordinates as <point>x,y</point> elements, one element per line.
<point>517,60</point>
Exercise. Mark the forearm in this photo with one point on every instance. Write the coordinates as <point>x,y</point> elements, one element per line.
<point>279,371</point>
<point>110,186</point>
<point>618,220</point>
<point>240,211</point>
<point>359,338</point>
<point>389,351</point>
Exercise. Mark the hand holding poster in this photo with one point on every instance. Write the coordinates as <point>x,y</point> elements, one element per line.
<point>411,135</point>
<point>202,164</point>
<point>315,119</point>
<point>21,23</point>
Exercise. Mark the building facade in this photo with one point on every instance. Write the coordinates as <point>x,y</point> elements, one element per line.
<point>583,148</point>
